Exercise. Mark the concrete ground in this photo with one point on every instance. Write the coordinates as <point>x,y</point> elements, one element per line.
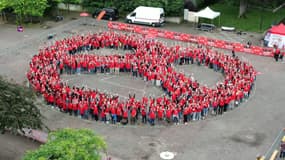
<point>242,133</point>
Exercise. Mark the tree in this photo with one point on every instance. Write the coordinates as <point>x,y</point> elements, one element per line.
<point>245,4</point>
<point>17,108</point>
<point>172,7</point>
<point>242,8</point>
<point>52,8</point>
<point>3,4</point>
<point>68,2</point>
<point>69,144</point>
<point>28,8</point>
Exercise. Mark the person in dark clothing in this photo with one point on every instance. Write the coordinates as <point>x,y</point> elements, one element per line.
<point>276,53</point>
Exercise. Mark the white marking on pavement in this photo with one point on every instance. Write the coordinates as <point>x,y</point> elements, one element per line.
<point>123,86</point>
<point>108,77</point>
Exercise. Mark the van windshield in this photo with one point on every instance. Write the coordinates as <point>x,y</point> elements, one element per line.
<point>162,15</point>
<point>133,14</point>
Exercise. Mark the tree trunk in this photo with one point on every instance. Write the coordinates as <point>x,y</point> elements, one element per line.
<point>3,15</point>
<point>68,8</point>
<point>242,8</point>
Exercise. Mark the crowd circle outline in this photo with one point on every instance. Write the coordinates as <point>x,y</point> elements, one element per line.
<point>185,100</point>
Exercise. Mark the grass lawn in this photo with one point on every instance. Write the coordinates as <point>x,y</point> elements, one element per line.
<point>229,18</point>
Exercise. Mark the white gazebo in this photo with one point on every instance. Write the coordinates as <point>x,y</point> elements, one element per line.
<point>209,14</point>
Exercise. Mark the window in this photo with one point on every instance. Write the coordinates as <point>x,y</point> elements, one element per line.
<point>133,14</point>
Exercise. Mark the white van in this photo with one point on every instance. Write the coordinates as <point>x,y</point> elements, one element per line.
<point>147,15</point>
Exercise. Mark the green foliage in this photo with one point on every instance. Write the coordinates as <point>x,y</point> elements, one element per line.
<point>268,3</point>
<point>17,108</point>
<point>253,17</point>
<point>172,7</point>
<point>71,1</point>
<point>3,4</point>
<point>26,8</point>
<point>70,144</point>
<point>198,3</point>
<point>52,7</point>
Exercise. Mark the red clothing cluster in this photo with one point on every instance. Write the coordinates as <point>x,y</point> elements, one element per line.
<point>152,60</point>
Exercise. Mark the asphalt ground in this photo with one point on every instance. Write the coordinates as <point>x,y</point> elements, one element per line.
<point>243,133</point>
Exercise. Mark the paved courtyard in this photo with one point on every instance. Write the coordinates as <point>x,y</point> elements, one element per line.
<point>240,134</point>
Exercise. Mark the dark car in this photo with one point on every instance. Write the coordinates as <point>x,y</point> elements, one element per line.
<point>111,13</point>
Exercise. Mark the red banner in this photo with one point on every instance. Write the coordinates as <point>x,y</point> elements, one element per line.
<point>190,38</point>
<point>169,34</point>
<point>137,29</point>
<point>185,37</point>
<point>220,44</point>
<point>202,40</point>
<point>152,31</point>
<point>238,47</point>
<point>211,42</point>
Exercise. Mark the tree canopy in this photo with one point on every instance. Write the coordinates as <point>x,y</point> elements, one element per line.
<point>17,108</point>
<point>3,4</point>
<point>25,8</point>
<point>172,8</point>
<point>69,144</point>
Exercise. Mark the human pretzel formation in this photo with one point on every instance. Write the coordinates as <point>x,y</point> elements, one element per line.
<point>185,99</point>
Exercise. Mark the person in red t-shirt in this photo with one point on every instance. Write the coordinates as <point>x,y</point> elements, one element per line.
<point>168,115</point>
<point>95,112</point>
<point>152,118</point>
<point>221,105</point>
<point>160,114</point>
<point>133,115</point>
<point>103,116</point>
<point>185,115</point>
<point>125,119</point>
<point>113,115</point>
<point>175,116</point>
<point>143,113</point>
<point>119,114</point>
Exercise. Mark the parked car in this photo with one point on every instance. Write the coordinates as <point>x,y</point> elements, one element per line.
<point>111,14</point>
<point>147,15</point>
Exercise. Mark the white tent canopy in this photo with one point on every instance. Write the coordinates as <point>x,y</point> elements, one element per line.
<point>207,13</point>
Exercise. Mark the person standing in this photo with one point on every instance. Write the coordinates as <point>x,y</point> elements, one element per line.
<point>282,53</point>
<point>276,53</point>
<point>233,52</point>
<point>152,118</point>
<point>143,113</point>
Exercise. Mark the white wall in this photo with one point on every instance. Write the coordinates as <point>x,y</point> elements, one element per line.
<point>72,7</point>
<point>189,16</point>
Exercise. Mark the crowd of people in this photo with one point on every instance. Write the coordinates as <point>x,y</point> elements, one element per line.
<point>185,99</point>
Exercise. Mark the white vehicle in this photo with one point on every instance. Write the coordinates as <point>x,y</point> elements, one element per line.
<point>147,15</point>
